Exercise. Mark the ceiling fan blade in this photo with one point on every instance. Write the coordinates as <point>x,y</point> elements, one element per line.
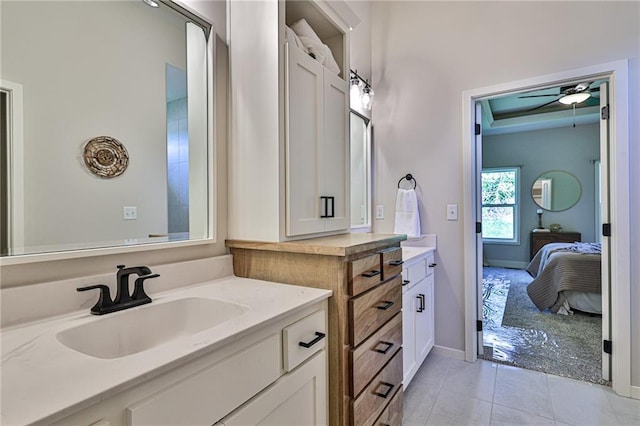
<point>543,105</point>
<point>537,96</point>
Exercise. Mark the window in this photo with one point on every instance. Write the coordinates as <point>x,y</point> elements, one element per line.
<point>500,198</point>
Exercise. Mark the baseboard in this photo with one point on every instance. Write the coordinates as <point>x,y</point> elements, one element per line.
<point>449,352</point>
<point>513,264</point>
<point>635,392</point>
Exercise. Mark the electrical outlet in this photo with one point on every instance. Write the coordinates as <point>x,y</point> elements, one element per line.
<point>380,211</point>
<point>129,213</point>
<point>452,212</point>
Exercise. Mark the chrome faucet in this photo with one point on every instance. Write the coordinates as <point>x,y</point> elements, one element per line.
<point>124,299</point>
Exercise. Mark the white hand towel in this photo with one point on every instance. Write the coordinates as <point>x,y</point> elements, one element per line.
<point>407,216</point>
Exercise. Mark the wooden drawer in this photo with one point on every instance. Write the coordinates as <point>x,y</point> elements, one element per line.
<point>369,311</point>
<point>392,415</point>
<point>302,339</point>
<point>374,353</point>
<point>391,262</point>
<point>364,274</point>
<point>374,399</point>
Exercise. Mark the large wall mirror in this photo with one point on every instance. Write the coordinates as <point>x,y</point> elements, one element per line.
<point>556,190</point>
<point>138,72</point>
<point>360,141</point>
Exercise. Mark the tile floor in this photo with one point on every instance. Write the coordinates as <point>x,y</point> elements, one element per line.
<point>447,391</point>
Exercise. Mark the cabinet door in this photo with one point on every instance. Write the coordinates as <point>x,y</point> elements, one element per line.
<point>303,140</point>
<point>408,335</point>
<point>335,181</point>
<point>297,398</point>
<point>424,319</point>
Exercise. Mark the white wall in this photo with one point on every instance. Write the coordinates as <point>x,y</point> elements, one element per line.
<point>425,54</point>
<point>565,148</point>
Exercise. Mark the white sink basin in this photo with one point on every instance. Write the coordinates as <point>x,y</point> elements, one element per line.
<point>139,329</point>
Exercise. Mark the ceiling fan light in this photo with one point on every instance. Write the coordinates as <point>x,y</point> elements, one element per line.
<point>575,98</point>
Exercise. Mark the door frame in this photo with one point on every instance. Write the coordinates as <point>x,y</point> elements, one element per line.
<point>620,266</point>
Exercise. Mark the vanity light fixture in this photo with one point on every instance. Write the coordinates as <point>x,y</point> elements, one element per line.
<point>361,91</point>
<point>151,3</point>
<point>575,98</point>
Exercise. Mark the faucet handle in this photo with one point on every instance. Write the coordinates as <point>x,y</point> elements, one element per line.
<point>138,291</point>
<point>104,301</point>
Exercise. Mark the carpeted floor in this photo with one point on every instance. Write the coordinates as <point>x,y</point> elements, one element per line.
<point>517,333</point>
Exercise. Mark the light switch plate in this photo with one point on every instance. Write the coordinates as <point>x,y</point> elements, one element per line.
<point>129,213</point>
<point>380,211</point>
<point>452,212</point>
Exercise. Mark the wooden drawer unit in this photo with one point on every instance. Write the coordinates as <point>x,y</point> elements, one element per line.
<point>374,353</point>
<point>391,262</point>
<point>378,393</point>
<point>364,314</point>
<point>364,274</point>
<point>371,310</point>
<point>392,415</point>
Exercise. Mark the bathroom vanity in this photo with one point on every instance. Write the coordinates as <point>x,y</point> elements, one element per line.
<point>365,319</point>
<point>258,354</point>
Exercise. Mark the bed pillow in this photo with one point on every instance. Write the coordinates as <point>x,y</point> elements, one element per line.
<point>314,45</point>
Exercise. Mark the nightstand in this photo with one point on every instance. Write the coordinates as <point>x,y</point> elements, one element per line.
<point>539,239</point>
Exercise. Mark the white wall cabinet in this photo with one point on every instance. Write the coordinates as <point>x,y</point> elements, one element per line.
<point>316,147</point>
<point>417,314</point>
<point>264,378</point>
<point>289,150</point>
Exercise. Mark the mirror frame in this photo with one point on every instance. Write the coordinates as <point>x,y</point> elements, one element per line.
<point>210,237</point>
<point>556,171</point>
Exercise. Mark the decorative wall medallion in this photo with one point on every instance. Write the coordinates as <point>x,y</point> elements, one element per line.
<point>105,157</point>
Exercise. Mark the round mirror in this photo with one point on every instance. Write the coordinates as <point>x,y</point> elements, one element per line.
<point>556,190</point>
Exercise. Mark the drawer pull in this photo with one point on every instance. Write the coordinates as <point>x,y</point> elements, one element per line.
<point>385,394</point>
<point>432,265</point>
<point>319,336</point>
<point>421,299</point>
<point>388,345</point>
<point>386,304</point>
<point>396,262</point>
<point>370,274</point>
<point>406,282</point>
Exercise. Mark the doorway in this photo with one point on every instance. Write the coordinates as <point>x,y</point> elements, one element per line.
<point>616,244</point>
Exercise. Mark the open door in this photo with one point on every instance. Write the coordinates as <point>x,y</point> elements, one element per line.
<point>606,239</point>
<point>477,194</point>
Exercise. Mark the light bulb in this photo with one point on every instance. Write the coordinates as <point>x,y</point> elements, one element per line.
<point>367,98</point>
<point>355,92</point>
<point>575,98</point>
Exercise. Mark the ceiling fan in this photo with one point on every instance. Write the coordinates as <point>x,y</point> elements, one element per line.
<point>569,95</point>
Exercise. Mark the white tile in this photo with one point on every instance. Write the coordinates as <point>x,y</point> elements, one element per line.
<point>456,409</point>
<point>419,399</point>
<point>627,410</point>
<point>579,403</point>
<point>434,370</point>
<point>503,416</point>
<point>523,390</point>
<point>475,379</point>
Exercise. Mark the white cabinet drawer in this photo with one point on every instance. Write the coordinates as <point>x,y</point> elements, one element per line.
<point>303,338</point>
<point>209,395</point>
<point>430,263</point>
<point>414,272</point>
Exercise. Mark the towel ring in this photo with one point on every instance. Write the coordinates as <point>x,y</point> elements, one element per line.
<point>408,177</point>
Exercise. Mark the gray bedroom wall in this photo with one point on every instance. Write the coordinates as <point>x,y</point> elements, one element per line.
<point>569,149</point>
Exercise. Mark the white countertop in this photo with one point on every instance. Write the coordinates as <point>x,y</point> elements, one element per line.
<point>43,380</point>
<point>409,253</point>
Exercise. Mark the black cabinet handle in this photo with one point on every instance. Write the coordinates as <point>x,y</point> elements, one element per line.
<point>388,345</point>
<point>386,304</point>
<point>432,265</point>
<point>385,394</point>
<point>396,262</point>
<point>406,282</point>
<point>326,200</point>
<point>371,273</point>
<point>319,336</point>
<point>421,299</point>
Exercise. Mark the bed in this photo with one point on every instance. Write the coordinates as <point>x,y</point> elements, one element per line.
<point>566,276</point>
